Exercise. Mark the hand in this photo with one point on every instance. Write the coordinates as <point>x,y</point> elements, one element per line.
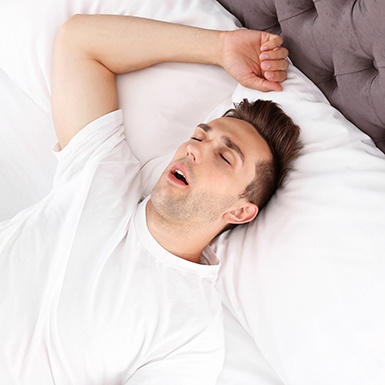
<point>255,59</point>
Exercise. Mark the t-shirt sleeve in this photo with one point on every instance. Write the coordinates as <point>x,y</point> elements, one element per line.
<point>101,140</point>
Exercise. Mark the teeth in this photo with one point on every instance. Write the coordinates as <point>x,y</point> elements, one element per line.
<point>179,175</point>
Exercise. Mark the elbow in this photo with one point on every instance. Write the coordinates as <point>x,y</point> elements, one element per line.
<point>73,22</point>
<point>69,34</point>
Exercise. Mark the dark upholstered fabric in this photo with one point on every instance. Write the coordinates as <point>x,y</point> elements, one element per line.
<point>338,44</point>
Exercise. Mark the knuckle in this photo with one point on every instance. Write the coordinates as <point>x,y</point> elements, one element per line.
<point>283,76</point>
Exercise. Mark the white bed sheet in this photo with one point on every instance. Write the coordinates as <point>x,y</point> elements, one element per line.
<point>303,286</point>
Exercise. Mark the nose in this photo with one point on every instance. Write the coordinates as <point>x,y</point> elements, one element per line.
<point>194,151</point>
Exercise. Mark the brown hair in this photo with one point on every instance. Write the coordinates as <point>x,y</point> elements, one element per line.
<point>282,136</point>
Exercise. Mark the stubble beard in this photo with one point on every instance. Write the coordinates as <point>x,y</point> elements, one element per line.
<point>189,210</point>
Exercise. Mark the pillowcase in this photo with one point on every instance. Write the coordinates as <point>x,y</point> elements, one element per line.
<point>306,279</point>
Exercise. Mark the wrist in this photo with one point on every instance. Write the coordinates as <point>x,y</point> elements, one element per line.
<point>208,48</point>
<point>219,57</point>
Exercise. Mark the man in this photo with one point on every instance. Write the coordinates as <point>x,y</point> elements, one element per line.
<point>99,286</point>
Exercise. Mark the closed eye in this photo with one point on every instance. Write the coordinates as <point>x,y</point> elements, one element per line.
<point>221,155</point>
<point>226,160</point>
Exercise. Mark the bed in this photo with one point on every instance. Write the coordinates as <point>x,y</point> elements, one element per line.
<point>303,286</point>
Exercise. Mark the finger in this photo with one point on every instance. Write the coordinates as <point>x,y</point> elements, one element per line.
<point>275,65</point>
<point>275,41</point>
<point>275,76</point>
<point>267,85</point>
<point>273,86</point>
<point>275,54</point>
<point>261,84</point>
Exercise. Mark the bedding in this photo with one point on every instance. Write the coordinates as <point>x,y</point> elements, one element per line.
<point>302,287</point>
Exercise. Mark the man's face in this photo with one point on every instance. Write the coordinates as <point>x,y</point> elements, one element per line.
<point>209,172</point>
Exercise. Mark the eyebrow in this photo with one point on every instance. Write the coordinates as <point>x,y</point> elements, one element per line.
<point>226,140</point>
<point>205,127</point>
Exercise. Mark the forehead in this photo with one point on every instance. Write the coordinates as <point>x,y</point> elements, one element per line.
<point>243,134</point>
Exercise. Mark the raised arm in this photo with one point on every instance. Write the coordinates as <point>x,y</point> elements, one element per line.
<point>91,49</point>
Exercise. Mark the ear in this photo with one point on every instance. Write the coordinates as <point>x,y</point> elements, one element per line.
<point>243,214</point>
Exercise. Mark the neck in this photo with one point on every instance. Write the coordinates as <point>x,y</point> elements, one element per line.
<point>181,239</point>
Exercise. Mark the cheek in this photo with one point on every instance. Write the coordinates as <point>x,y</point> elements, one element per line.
<point>218,175</point>
<point>233,183</point>
<point>223,183</point>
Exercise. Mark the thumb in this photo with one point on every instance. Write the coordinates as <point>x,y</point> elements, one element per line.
<point>261,84</point>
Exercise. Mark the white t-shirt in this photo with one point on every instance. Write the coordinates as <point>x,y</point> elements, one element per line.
<point>87,295</point>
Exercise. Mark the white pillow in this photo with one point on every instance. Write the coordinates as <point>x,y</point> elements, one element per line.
<point>306,279</point>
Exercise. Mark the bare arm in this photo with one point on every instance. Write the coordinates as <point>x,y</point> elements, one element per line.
<point>91,49</point>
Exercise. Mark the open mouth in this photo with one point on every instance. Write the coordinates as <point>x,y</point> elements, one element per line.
<point>180,176</point>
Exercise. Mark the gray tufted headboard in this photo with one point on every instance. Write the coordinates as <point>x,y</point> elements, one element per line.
<point>338,44</point>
